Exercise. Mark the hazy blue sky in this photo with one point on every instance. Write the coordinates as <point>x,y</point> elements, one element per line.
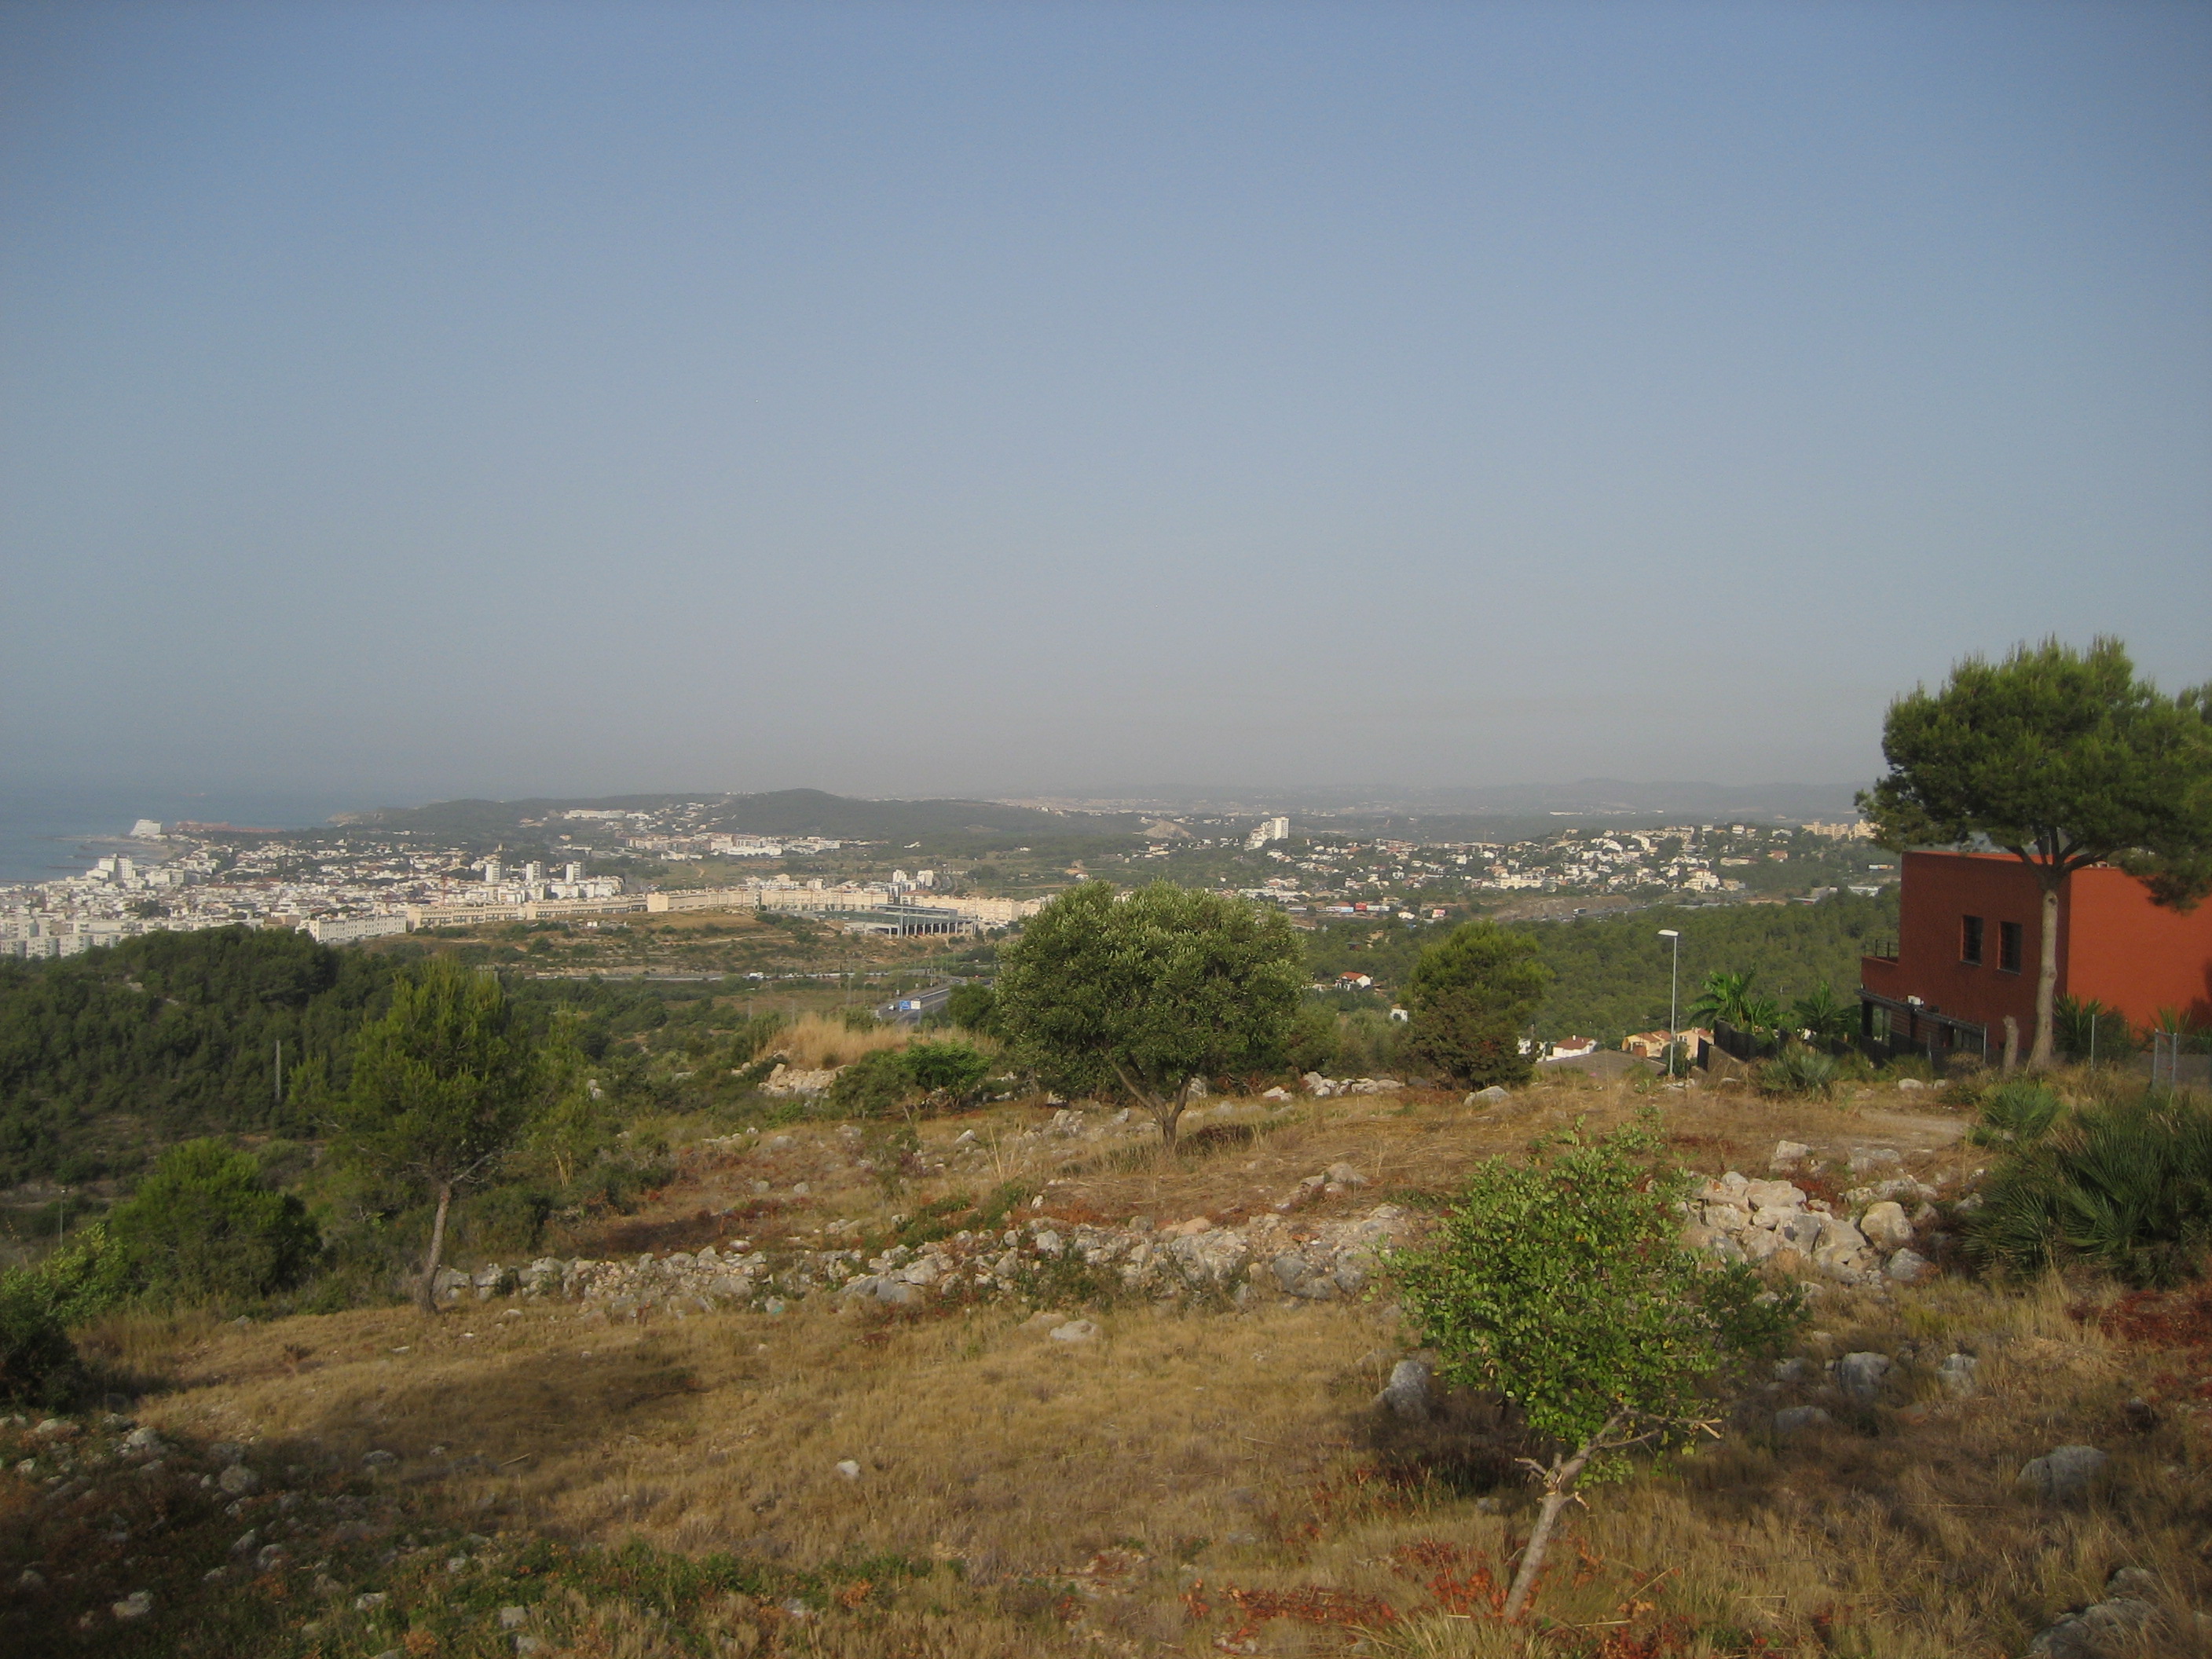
<point>424,400</point>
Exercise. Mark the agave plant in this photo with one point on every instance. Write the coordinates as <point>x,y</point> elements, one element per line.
<point>1798,1070</point>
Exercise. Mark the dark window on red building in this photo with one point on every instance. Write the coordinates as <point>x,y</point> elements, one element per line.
<point>1970,939</point>
<point>2008,934</point>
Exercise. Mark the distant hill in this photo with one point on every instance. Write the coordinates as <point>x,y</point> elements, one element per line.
<point>971,824</point>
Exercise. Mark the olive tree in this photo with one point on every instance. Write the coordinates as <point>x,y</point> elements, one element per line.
<point>1150,992</point>
<point>444,1086</point>
<point>1470,997</point>
<point>2064,759</point>
<point>1561,1285</point>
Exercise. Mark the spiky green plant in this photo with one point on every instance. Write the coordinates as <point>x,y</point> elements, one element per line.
<point>2127,1189</point>
<point>1798,1070</point>
<point>2016,1114</point>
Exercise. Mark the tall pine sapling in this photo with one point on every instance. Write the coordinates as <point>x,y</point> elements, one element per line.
<point>444,1086</point>
<point>1562,1285</point>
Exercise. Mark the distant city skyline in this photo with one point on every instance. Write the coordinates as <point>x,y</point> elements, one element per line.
<point>399,404</point>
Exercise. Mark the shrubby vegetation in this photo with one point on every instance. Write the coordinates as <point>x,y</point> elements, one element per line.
<point>2125,1187</point>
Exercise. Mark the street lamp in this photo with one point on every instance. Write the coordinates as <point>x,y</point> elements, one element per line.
<point>1673,986</point>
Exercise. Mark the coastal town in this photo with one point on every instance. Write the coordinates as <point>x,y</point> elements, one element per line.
<point>581,865</point>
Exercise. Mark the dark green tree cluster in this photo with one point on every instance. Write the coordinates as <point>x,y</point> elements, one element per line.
<point>1471,997</point>
<point>177,1033</point>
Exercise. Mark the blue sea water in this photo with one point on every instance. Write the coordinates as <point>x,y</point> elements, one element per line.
<point>44,831</point>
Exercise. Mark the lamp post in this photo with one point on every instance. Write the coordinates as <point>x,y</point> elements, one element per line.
<point>1674,989</point>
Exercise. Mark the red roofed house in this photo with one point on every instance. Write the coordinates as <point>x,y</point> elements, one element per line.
<point>1970,940</point>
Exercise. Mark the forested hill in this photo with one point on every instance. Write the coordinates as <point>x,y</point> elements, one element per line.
<point>169,1035</point>
<point>1611,971</point>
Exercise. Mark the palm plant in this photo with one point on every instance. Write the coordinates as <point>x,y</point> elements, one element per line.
<point>1822,1016</point>
<point>1760,1013</point>
<point>2128,1188</point>
<point>1721,997</point>
<point>2016,1115</point>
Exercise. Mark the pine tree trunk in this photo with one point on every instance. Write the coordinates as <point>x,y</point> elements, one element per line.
<point>2047,976</point>
<point>426,1294</point>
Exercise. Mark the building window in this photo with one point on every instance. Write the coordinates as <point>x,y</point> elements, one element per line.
<point>2009,952</point>
<point>1970,940</point>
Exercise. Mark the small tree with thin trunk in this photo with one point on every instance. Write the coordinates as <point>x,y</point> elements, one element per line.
<point>444,1085</point>
<point>1562,1285</point>
<point>2064,759</point>
<point>1150,992</point>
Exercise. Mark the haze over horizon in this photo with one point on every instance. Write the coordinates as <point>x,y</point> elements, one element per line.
<point>402,404</point>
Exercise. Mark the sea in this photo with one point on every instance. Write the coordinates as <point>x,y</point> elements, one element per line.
<point>47,833</point>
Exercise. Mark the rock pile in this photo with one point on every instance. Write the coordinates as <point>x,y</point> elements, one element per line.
<point>1322,1088</point>
<point>1318,1260</point>
<point>1776,1222</point>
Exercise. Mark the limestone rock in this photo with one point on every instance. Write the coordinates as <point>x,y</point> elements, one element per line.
<point>136,1604</point>
<point>239,1480</point>
<point>1859,1376</point>
<point>1956,1373</point>
<point>1410,1393</point>
<point>2064,1474</point>
<point>1795,1420</point>
<point>1908,1267</point>
<point>1489,1097</point>
<point>1885,1226</point>
<point>1076,1330</point>
<point>1788,1154</point>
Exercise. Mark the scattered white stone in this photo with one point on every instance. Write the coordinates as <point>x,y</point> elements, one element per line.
<point>1788,1154</point>
<point>136,1604</point>
<point>1076,1330</point>
<point>513,1618</point>
<point>370,1600</point>
<point>849,1469</point>
<point>1795,1420</point>
<point>1956,1373</point>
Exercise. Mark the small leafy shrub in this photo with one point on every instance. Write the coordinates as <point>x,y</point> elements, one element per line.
<point>2126,1187</point>
<point>1561,1285</point>
<point>2016,1115</point>
<point>1798,1070</point>
<point>205,1227</point>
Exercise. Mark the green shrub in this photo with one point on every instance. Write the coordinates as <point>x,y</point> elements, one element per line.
<point>974,1008</point>
<point>37,1363</point>
<point>949,1072</point>
<point>2016,1114</point>
<point>205,1227</point>
<point>2126,1187</point>
<point>1798,1070</point>
<point>876,1084</point>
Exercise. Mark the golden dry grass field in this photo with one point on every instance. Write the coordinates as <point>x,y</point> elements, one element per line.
<point>1191,1479</point>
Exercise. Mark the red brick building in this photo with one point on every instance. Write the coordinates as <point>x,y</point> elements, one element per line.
<point>1970,944</point>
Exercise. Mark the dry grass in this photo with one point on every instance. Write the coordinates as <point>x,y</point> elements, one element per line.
<point>1167,1485</point>
<point>814,1041</point>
